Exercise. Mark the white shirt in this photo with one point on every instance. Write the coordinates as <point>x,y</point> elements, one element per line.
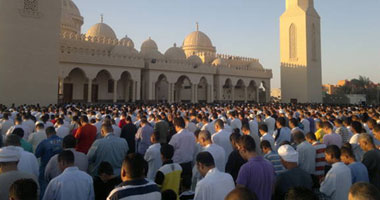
<point>36,138</point>
<point>191,127</point>
<point>5,125</point>
<point>236,124</point>
<point>270,122</point>
<point>222,138</point>
<point>254,127</point>
<point>268,138</point>
<point>214,186</point>
<point>29,125</point>
<point>184,146</point>
<point>337,182</point>
<point>218,154</point>
<point>209,127</point>
<point>62,131</point>
<point>28,162</point>
<point>153,157</point>
<point>116,130</point>
<point>306,125</point>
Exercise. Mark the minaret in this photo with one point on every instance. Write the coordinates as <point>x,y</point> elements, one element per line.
<point>300,46</point>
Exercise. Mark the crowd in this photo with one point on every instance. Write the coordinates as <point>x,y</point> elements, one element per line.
<point>184,152</point>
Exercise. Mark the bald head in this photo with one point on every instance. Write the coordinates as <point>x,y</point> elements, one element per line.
<point>241,193</point>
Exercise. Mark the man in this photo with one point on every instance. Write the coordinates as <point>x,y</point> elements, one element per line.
<point>132,175</point>
<point>72,183</point>
<point>116,129</point>
<point>363,191</point>
<point>235,161</point>
<point>270,122</point>
<point>110,148</point>
<point>235,122</point>
<point>331,138</point>
<point>128,132</point>
<point>18,124</point>
<point>8,171</point>
<point>319,133</point>
<point>45,150</point>
<point>376,133</point>
<point>190,126</point>
<point>371,158</point>
<point>217,152</point>
<point>293,124</point>
<point>359,172</point>
<point>80,159</point>
<point>37,137</point>
<point>263,129</point>
<point>282,134</point>
<point>23,189</point>
<point>5,124</point>
<point>241,193</point>
<point>209,126</point>
<point>246,131</point>
<point>258,173</point>
<point>61,129</point>
<point>253,125</point>
<point>272,156</point>
<point>105,181</point>
<point>152,155</point>
<point>357,129</point>
<point>294,176</point>
<point>85,135</point>
<point>184,147</point>
<point>342,130</point>
<point>215,185</point>
<point>306,153</point>
<point>320,161</point>
<point>168,177</point>
<point>24,144</point>
<point>98,124</point>
<point>338,180</point>
<point>143,136</point>
<point>162,127</point>
<point>28,162</point>
<point>222,137</point>
<point>305,123</point>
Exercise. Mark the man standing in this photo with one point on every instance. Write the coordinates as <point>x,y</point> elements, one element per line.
<point>270,122</point>
<point>128,132</point>
<point>61,129</point>
<point>215,185</point>
<point>153,156</point>
<point>143,136</point>
<point>72,183</point>
<point>342,130</point>
<point>282,133</point>
<point>272,156</point>
<point>162,127</point>
<point>331,138</point>
<point>37,137</point>
<point>258,173</point>
<point>222,137</point>
<point>338,180</point>
<point>306,153</point>
<point>85,135</point>
<point>359,172</point>
<point>217,152</point>
<point>134,185</point>
<point>371,158</point>
<point>110,148</point>
<point>320,161</point>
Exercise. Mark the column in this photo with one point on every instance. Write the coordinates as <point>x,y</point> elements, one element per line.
<point>211,93</point>
<point>114,91</point>
<point>133,91</point>
<point>245,94</point>
<point>60,85</point>
<point>170,93</point>
<point>173,91</point>
<point>137,89</point>
<point>195,93</point>
<point>89,95</point>
<point>257,95</point>
<point>154,97</point>
<point>233,94</point>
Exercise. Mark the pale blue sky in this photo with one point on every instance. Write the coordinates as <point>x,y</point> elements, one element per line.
<point>350,29</point>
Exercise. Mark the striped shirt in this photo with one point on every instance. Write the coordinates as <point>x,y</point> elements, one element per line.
<point>320,161</point>
<point>275,159</point>
<point>136,190</point>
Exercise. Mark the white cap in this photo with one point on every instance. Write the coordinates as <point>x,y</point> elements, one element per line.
<point>98,116</point>
<point>288,153</point>
<point>9,154</point>
<point>252,116</point>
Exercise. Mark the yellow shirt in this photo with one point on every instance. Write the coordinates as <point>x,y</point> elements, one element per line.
<point>319,135</point>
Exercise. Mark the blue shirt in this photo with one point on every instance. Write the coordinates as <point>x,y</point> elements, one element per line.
<point>275,159</point>
<point>110,149</point>
<point>47,149</point>
<point>359,172</point>
<point>143,139</point>
<point>71,184</point>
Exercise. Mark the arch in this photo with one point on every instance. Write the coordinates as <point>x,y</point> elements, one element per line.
<point>262,92</point>
<point>124,87</point>
<point>252,91</point>
<point>239,92</point>
<point>227,90</point>
<point>183,89</point>
<point>104,86</point>
<point>162,88</point>
<point>293,41</point>
<point>202,90</point>
<point>74,86</point>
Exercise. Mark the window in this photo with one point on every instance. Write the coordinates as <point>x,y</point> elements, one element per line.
<point>31,5</point>
<point>292,42</point>
<point>110,86</point>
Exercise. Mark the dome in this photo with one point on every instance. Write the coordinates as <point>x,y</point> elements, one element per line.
<point>101,30</point>
<point>219,62</point>
<point>127,41</point>
<point>197,39</point>
<point>256,66</point>
<point>149,45</point>
<point>124,50</point>
<point>71,20</point>
<point>194,59</point>
<point>175,53</point>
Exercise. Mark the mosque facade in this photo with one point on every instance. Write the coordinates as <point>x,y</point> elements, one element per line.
<point>62,64</point>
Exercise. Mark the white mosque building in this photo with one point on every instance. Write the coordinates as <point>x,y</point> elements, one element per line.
<point>47,59</point>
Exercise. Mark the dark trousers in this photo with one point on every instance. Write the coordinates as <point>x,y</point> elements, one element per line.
<point>187,171</point>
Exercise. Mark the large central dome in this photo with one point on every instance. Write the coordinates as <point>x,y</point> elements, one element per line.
<point>197,39</point>
<point>101,30</point>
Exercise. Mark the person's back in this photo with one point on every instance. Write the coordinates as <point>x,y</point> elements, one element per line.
<point>275,159</point>
<point>332,139</point>
<point>86,136</point>
<point>295,177</point>
<point>172,177</point>
<point>24,189</point>
<point>7,178</point>
<point>307,155</point>
<point>359,172</point>
<point>128,132</point>
<point>153,156</point>
<point>222,138</point>
<point>183,143</point>
<point>143,137</point>
<point>339,173</point>
<point>37,137</point>
<point>163,128</point>
<point>371,160</point>
<point>218,154</point>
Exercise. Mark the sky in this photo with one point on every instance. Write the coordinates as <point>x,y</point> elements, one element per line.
<point>249,28</point>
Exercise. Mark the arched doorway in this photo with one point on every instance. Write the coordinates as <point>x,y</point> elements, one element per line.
<point>252,92</point>
<point>74,86</point>
<point>183,90</point>
<point>239,93</point>
<point>262,93</point>
<point>103,85</point>
<point>202,90</point>
<point>162,89</point>
<point>124,87</point>
<point>227,90</point>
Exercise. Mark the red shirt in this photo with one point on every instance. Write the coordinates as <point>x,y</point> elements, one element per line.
<point>122,123</point>
<point>86,136</point>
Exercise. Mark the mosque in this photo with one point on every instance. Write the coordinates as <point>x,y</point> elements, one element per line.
<point>45,59</point>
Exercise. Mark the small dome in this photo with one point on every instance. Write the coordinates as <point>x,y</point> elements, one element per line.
<point>101,30</point>
<point>124,50</point>
<point>219,62</point>
<point>127,42</point>
<point>71,19</point>
<point>255,66</point>
<point>175,53</point>
<point>195,59</point>
<point>149,45</point>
